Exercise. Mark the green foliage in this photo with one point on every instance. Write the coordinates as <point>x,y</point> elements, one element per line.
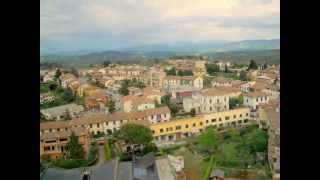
<point>228,155</point>
<point>212,69</point>
<point>174,109</point>
<point>252,65</point>
<point>57,74</point>
<point>150,148</point>
<point>185,73</point>
<point>208,140</point>
<point>123,89</point>
<point>75,150</point>
<point>45,158</point>
<point>68,163</point>
<point>243,76</point>
<point>207,82</point>
<point>107,151</point>
<point>111,106</point>
<point>193,112</point>
<point>235,102</point>
<point>134,134</point>
<point>125,157</point>
<point>68,96</point>
<point>171,72</point>
<point>257,140</point>
<point>105,63</point>
<point>226,69</point>
<point>209,168</point>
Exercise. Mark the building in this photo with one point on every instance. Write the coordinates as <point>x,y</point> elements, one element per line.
<point>222,81</point>
<point>210,100</point>
<point>177,129</point>
<point>60,112</point>
<point>254,99</point>
<point>53,144</point>
<point>172,82</point>
<point>132,103</point>
<point>46,98</point>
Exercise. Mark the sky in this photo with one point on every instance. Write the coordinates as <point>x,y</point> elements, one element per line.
<point>69,25</point>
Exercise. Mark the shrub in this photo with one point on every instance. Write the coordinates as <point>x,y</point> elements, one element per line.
<point>45,158</point>
<point>125,157</point>
<point>107,151</point>
<point>68,163</point>
<point>150,148</point>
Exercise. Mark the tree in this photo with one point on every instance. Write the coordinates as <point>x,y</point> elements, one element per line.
<point>171,72</point>
<point>235,102</point>
<point>257,140</point>
<point>208,140</point>
<point>75,150</point>
<point>140,85</point>
<point>226,69</point>
<point>57,74</point>
<point>243,76</point>
<point>68,96</point>
<point>124,89</point>
<point>193,112</point>
<point>133,134</point>
<point>74,71</point>
<point>106,63</point>
<point>252,65</point>
<point>207,82</point>
<point>111,106</point>
<point>212,69</point>
<point>171,105</point>
<point>166,99</point>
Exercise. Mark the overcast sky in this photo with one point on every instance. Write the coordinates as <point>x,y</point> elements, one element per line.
<point>105,24</point>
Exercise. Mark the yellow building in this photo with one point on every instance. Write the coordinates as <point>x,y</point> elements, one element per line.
<point>180,128</point>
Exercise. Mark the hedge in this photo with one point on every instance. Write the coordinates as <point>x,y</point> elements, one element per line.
<point>107,151</point>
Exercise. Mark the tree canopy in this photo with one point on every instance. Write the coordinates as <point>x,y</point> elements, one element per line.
<point>75,150</point>
<point>208,140</point>
<point>212,69</point>
<point>171,72</point>
<point>111,106</point>
<point>134,134</point>
<point>252,65</point>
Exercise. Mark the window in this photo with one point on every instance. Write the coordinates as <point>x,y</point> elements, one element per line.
<point>225,106</point>
<point>265,97</point>
<point>50,130</point>
<point>194,124</point>
<point>66,129</point>
<point>227,118</point>
<point>152,131</point>
<point>200,123</point>
<point>257,99</point>
<point>210,101</point>
<point>247,100</point>
<point>241,115</point>
<point>246,120</point>
<point>240,121</point>
<point>121,121</point>
<point>234,116</point>
<point>107,123</point>
<point>98,125</point>
<point>225,99</point>
<point>165,115</point>
<point>217,100</point>
<point>58,129</point>
<point>178,127</point>
<point>52,148</point>
<point>114,122</point>
<point>187,126</point>
<point>210,108</point>
<point>207,121</point>
<point>161,130</point>
<point>247,114</point>
<point>213,120</point>
<point>90,125</point>
<point>220,119</point>
<point>151,116</point>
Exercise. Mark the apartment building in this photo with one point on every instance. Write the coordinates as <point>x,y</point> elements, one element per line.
<point>176,129</point>
<point>60,112</point>
<point>54,144</point>
<point>172,82</point>
<point>254,99</point>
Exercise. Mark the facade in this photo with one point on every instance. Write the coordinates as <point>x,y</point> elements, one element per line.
<point>53,144</point>
<point>254,99</point>
<point>172,82</point>
<point>60,112</point>
<point>222,81</point>
<point>177,129</point>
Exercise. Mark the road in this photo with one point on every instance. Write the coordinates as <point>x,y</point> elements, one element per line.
<point>101,158</point>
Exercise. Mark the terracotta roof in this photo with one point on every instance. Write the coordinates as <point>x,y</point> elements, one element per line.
<point>54,125</point>
<point>229,89</point>
<point>255,94</point>
<point>99,118</point>
<point>214,92</point>
<point>222,80</point>
<point>60,134</point>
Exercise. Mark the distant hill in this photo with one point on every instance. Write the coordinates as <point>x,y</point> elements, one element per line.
<point>241,51</point>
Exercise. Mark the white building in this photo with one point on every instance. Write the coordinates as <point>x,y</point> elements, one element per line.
<point>59,112</point>
<point>254,99</point>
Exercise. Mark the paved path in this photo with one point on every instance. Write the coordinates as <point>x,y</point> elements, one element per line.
<point>101,159</point>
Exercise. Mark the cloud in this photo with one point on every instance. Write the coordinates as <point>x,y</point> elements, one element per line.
<point>75,24</point>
